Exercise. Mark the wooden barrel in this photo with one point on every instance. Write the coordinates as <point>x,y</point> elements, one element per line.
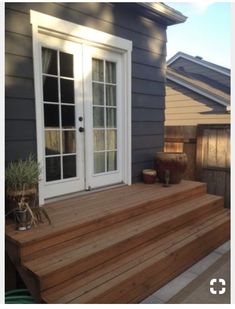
<point>174,162</point>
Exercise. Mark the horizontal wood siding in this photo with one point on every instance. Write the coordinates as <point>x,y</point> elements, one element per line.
<point>185,107</point>
<point>20,125</point>
<point>148,75</point>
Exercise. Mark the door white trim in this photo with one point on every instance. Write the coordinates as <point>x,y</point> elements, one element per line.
<point>70,31</point>
<point>86,34</point>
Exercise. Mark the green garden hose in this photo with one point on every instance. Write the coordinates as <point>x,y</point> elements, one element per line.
<point>20,296</point>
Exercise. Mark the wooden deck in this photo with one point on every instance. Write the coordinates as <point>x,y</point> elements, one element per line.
<point>118,245</point>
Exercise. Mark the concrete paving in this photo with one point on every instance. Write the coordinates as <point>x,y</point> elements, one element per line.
<point>193,285</point>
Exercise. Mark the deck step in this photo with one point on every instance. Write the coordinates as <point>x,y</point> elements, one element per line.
<point>119,245</point>
<point>133,275</point>
<point>61,262</point>
<point>99,210</point>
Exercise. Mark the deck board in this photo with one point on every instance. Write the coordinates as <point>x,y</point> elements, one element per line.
<point>149,268</point>
<point>79,210</point>
<point>82,248</point>
<point>112,271</point>
<point>118,245</point>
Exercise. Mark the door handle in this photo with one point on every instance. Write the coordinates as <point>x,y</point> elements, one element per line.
<point>81,129</point>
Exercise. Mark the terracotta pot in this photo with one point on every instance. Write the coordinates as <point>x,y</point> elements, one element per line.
<point>174,162</point>
<point>149,176</point>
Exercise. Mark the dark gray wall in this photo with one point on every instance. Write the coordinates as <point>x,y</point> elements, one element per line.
<point>148,80</point>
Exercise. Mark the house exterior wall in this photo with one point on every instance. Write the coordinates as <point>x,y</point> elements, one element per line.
<point>148,75</point>
<point>187,108</point>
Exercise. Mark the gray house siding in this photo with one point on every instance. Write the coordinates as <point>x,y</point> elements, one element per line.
<point>148,76</point>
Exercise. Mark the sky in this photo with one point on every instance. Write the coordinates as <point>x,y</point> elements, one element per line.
<point>206,32</point>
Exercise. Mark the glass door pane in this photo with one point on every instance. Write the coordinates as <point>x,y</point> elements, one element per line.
<point>59,114</point>
<point>104,116</point>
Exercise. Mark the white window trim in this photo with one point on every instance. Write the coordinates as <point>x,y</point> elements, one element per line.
<point>87,34</point>
<point>61,28</point>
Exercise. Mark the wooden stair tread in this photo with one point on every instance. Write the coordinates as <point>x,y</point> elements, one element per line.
<point>87,287</point>
<point>84,209</point>
<point>97,290</point>
<point>119,245</point>
<point>64,254</point>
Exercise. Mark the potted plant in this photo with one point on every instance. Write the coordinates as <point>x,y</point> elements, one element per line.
<point>21,179</point>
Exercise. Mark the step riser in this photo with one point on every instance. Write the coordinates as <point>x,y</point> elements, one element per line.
<point>146,282</point>
<point>222,235</point>
<point>121,264</point>
<point>109,220</point>
<point>140,238</point>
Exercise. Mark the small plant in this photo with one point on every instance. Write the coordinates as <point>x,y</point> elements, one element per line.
<point>22,175</point>
<point>21,179</point>
<point>26,216</point>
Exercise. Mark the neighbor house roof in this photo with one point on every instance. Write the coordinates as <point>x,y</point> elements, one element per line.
<point>200,76</point>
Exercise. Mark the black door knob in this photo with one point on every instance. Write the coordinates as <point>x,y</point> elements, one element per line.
<point>81,129</point>
<point>80,119</point>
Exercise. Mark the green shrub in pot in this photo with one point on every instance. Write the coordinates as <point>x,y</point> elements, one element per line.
<point>21,181</point>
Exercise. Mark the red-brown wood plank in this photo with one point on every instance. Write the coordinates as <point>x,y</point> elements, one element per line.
<point>105,246</point>
<point>86,284</point>
<point>130,259</point>
<point>101,213</point>
<point>77,256</point>
<point>182,254</point>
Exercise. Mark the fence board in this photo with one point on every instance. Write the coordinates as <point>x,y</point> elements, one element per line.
<point>227,190</point>
<point>182,139</point>
<point>174,147</point>
<point>213,159</point>
<point>208,150</point>
<point>190,150</point>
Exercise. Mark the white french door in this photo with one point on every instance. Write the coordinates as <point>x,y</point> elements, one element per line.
<point>103,114</point>
<point>82,123</point>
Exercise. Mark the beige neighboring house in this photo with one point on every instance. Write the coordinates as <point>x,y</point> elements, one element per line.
<point>197,92</point>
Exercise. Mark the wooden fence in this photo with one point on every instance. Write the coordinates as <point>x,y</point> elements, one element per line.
<point>183,139</point>
<point>213,159</point>
<point>208,150</point>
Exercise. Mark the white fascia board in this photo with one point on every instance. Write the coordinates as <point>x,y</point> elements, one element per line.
<point>165,11</point>
<point>195,89</point>
<point>197,61</point>
<point>87,34</point>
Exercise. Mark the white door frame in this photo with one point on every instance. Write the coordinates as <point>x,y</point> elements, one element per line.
<point>55,27</point>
